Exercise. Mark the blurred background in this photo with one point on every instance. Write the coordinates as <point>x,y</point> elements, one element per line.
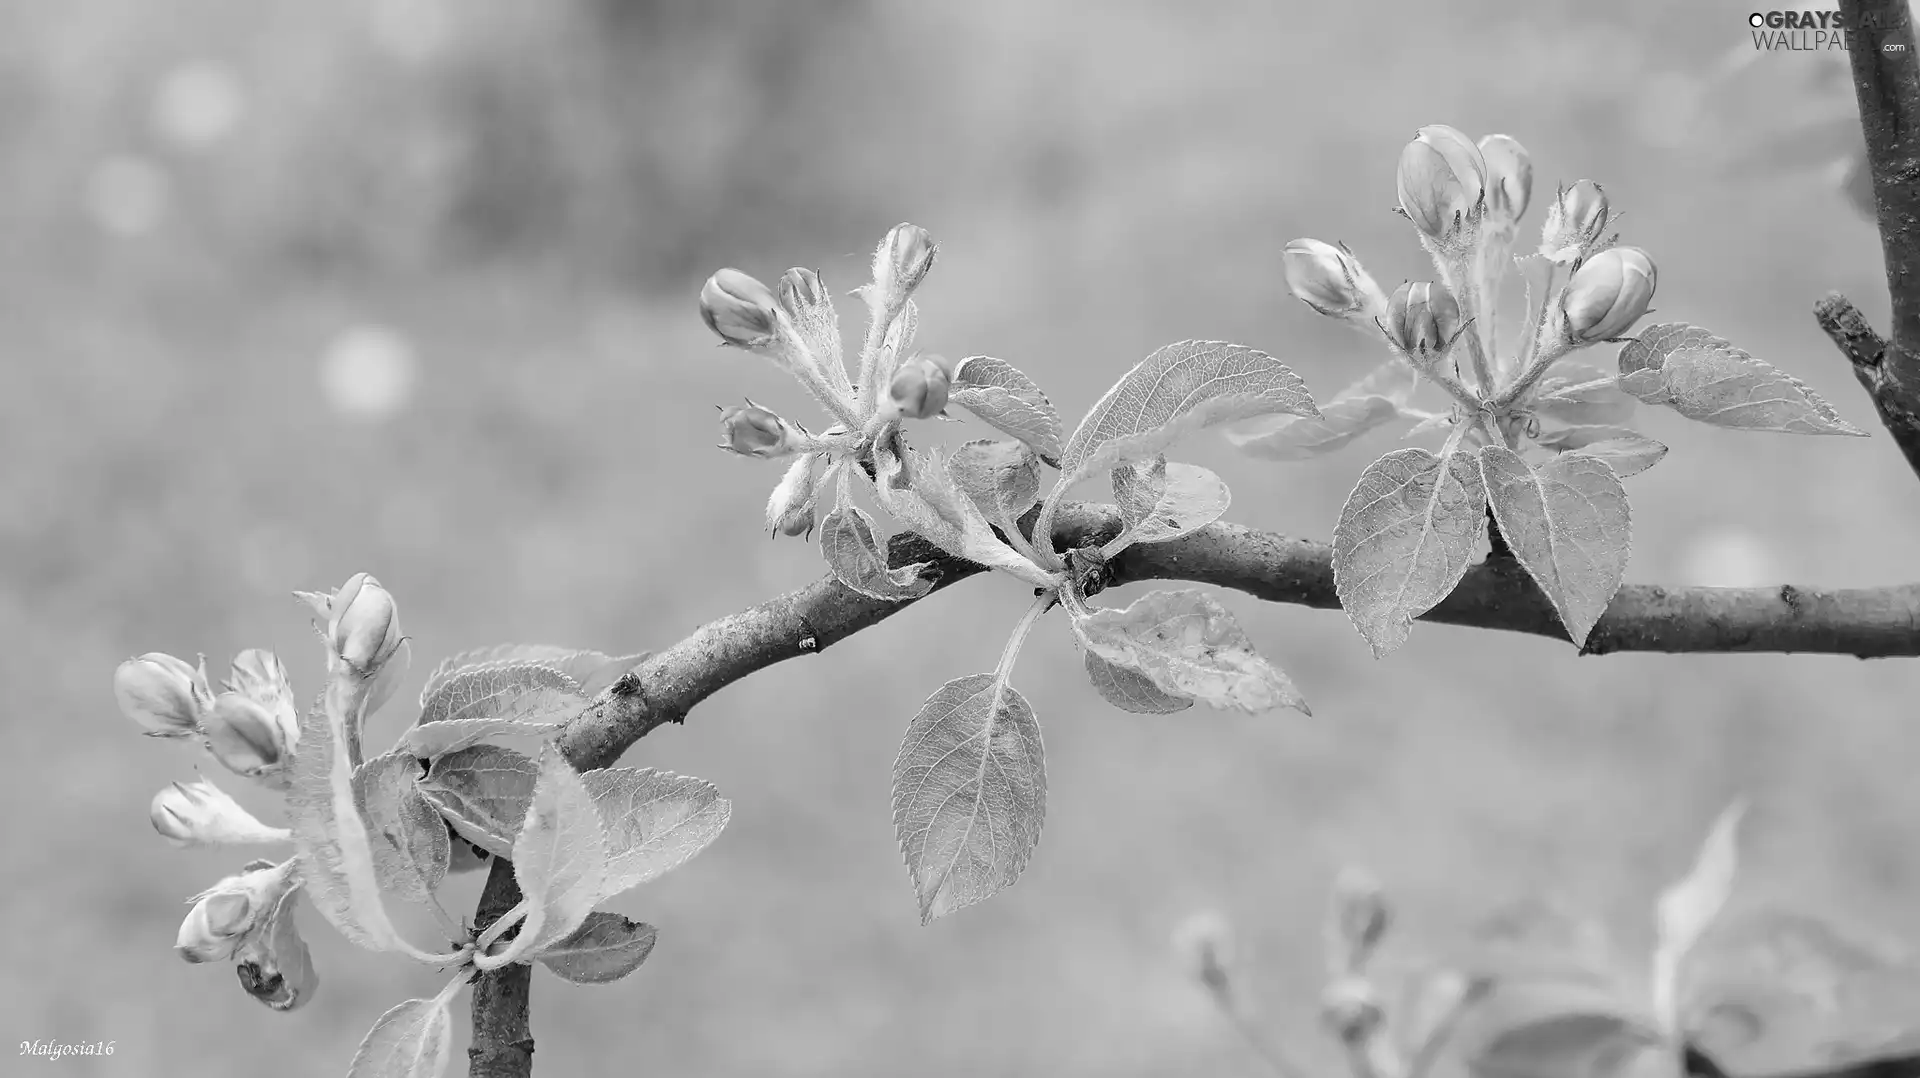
<point>289,291</point>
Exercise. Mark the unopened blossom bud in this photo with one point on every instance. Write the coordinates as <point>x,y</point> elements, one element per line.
<point>248,739</point>
<point>1442,179</point>
<point>800,293</point>
<point>1422,318</point>
<point>754,431</point>
<point>1351,1009</point>
<point>364,623</point>
<point>740,309</point>
<point>790,508</point>
<point>1609,293</point>
<point>201,814</point>
<point>1359,920</point>
<point>902,262</point>
<point>273,962</point>
<point>1575,221</point>
<point>1509,179</point>
<point>920,387</point>
<point>1330,280</point>
<point>260,676</point>
<point>1205,943</point>
<point>223,914</point>
<point>163,694</point>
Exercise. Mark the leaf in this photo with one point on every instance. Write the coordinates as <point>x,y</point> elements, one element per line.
<point>1002,478</point>
<point>1686,910</point>
<point>655,821</point>
<point>1189,646</point>
<point>559,857</point>
<point>581,665</point>
<point>998,394</point>
<point>329,833</point>
<point>1131,690</point>
<point>513,688</point>
<point>969,793</point>
<point>1186,498</point>
<point>1137,488</point>
<point>1568,524</point>
<point>605,948</point>
<point>1289,438</point>
<point>1558,1031</point>
<point>1572,399</point>
<point>1704,377</point>
<point>484,791</point>
<point>1405,537</point>
<point>1180,388</point>
<point>452,735</point>
<point>1628,452</point>
<point>273,962</point>
<point>920,492</point>
<point>411,849</point>
<point>412,1040</point>
<point>847,543</point>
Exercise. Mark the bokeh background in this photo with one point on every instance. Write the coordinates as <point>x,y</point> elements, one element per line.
<point>292,290</point>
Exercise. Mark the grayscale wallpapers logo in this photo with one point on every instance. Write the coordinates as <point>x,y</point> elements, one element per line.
<point>1810,31</point>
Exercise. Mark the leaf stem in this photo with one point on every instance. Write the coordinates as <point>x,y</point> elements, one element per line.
<point>1041,604</point>
<point>494,931</point>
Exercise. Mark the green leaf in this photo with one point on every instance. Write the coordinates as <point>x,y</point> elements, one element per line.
<point>559,857</point>
<point>484,791</point>
<point>1626,451</point>
<point>1568,524</point>
<point>1706,378</point>
<point>1687,909</point>
<point>512,688</point>
<point>655,821</point>
<point>969,793</point>
<point>1000,395</point>
<point>1404,540</point>
<point>1554,1030</point>
<point>452,735</point>
<point>1002,478</point>
<point>1186,498</point>
<point>1180,388</point>
<point>605,948</point>
<point>847,543</point>
<point>413,1040</point>
<point>1188,645</point>
<point>273,962</point>
<point>409,840</point>
<point>921,493</point>
<point>329,832</point>
<point>1131,690</point>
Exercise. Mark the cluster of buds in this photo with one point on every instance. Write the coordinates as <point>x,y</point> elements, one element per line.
<point>252,728</point>
<point>795,325</point>
<point>1466,200</point>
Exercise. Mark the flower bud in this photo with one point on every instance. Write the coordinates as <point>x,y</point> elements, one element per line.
<point>1330,280</point>
<point>1576,219</point>
<point>273,962</point>
<point>754,431</point>
<point>920,387</point>
<point>740,309</point>
<point>163,694</point>
<point>1205,943</point>
<point>201,814</point>
<point>1442,179</point>
<point>223,914</point>
<point>1609,293</point>
<point>800,293</point>
<point>260,676</point>
<point>790,508</point>
<point>1509,179</point>
<point>902,262</point>
<point>248,739</point>
<point>364,623</point>
<point>1422,318</point>
<point>1351,1009</point>
<point>1359,920</point>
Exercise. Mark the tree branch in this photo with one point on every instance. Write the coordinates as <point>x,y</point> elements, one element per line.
<point>1886,84</point>
<point>502,1045</point>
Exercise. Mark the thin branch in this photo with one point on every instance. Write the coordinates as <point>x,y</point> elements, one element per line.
<point>1886,85</point>
<point>1497,594</point>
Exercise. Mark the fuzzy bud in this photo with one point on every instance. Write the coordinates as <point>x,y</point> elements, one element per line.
<point>1442,180</point>
<point>225,913</point>
<point>902,262</point>
<point>273,962</point>
<point>1609,293</point>
<point>363,624</point>
<point>163,694</point>
<point>1359,919</point>
<point>800,293</point>
<point>249,740</point>
<point>754,431</point>
<point>741,310</point>
<point>1351,1009</point>
<point>201,814</point>
<point>1422,318</point>
<point>1330,280</point>
<point>790,508</point>
<point>1509,180</point>
<point>1575,221</point>
<point>920,387</point>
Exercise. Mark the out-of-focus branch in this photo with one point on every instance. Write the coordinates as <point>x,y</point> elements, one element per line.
<point>1886,85</point>
<point>1867,622</point>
